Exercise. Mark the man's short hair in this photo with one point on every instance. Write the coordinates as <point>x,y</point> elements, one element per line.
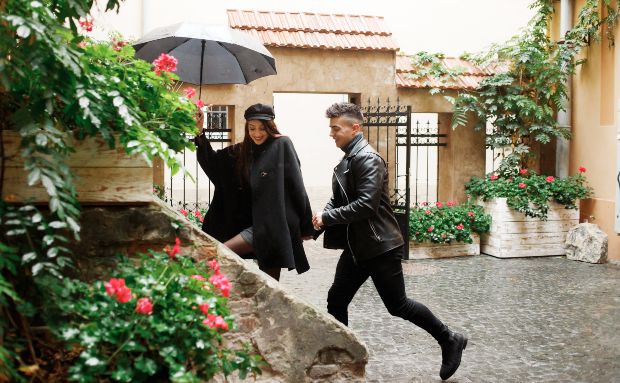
<point>345,109</point>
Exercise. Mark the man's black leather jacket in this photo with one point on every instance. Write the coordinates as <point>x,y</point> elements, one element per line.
<point>359,215</point>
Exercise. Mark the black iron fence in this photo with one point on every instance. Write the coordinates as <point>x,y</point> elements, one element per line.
<point>195,191</point>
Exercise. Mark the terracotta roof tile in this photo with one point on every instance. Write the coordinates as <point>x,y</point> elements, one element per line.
<point>470,77</point>
<point>314,30</point>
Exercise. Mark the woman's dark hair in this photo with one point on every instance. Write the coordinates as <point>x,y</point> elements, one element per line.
<point>245,154</point>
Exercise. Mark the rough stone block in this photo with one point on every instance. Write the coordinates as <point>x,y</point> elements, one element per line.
<point>587,243</point>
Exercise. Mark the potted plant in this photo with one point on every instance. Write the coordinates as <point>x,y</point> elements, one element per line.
<point>446,230</point>
<point>531,213</point>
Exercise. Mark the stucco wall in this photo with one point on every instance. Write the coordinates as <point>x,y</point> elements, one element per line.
<point>596,91</point>
<point>367,73</point>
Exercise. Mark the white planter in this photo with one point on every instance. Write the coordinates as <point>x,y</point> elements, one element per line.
<point>430,250</point>
<point>514,235</point>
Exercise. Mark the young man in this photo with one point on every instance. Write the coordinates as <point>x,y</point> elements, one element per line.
<point>358,218</point>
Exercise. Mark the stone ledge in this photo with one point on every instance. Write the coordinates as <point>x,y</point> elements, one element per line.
<point>299,343</point>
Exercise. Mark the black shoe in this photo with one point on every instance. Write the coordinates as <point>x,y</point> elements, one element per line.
<point>451,352</point>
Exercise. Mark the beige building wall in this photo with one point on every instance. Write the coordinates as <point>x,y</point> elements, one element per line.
<point>596,92</point>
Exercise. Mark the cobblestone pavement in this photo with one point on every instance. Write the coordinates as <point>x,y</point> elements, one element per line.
<point>528,320</point>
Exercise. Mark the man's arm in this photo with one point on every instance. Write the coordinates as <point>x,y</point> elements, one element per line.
<point>369,172</point>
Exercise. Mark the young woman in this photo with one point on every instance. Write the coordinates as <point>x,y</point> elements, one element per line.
<point>260,204</point>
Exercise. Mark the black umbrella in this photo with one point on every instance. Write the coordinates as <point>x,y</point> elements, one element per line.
<point>208,54</point>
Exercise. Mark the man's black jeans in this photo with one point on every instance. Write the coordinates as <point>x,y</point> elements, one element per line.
<point>386,272</point>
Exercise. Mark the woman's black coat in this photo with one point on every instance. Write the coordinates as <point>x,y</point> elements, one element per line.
<point>280,210</point>
<point>230,210</point>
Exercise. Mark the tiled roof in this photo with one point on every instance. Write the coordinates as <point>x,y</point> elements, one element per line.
<point>313,30</point>
<point>469,77</point>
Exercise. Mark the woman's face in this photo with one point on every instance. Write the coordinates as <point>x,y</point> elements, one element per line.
<point>257,132</point>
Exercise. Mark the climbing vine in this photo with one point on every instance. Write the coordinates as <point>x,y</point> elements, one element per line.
<point>522,101</point>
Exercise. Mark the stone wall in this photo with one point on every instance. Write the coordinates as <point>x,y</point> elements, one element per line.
<point>299,343</point>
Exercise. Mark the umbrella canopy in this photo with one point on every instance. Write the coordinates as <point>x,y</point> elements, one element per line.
<point>208,54</point>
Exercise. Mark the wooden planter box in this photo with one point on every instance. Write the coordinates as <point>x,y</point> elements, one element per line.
<point>514,235</point>
<point>103,175</point>
<point>429,250</point>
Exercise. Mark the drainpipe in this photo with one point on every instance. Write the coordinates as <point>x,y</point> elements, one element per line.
<point>564,116</point>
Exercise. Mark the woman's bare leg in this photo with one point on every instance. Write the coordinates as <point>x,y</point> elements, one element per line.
<point>239,245</point>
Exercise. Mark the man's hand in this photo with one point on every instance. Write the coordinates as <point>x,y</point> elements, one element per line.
<point>317,220</point>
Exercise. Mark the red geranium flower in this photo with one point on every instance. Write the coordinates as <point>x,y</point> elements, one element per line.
<point>427,212</point>
<point>523,171</point>
<point>114,285</point>
<point>470,214</point>
<point>582,169</point>
<point>204,307</point>
<point>431,228</point>
<point>200,104</point>
<point>460,226</point>
<point>183,211</point>
<point>189,92</point>
<point>176,249</point>
<point>438,204</point>
<point>522,185</point>
<point>451,203</point>
<point>221,282</point>
<point>144,306</point>
<point>550,178</point>
<point>214,266</point>
<point>166,63</point>
<point>215,322</point>
<point>87,25</point>
<point>197,213</point>
<point>123,295</point>
<point>494,177</point>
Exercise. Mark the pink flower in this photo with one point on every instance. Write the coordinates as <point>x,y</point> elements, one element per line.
<point>202,219</point>
<point>522,185</point>
<point>470,214</point>
<point>183,211</point>
<point>123,295</point>
<point>221,282</point>
<point>215,322</point>
<point>114,285</point>
<point>189,92</point>
<point>493,177</point>
<point>198,277</point>
<point>176,249</point>
<point>200,104</point>
<point>117,45</point>
<point>431,228</point>
<point>144,306</point>
<point>523,171</point>
<point>82,44</point>
<point>460,226</point>
<point>204,307</point>
<point>550,178</point>
<point>197,213</point>
<point>451,203</point>
<point>166,63</point>
<point>87,25</point>
<point>427,212</point>
<point>214,266</point>
<point>582,169</point>
<point>438,204</point>
<point>509,180</point>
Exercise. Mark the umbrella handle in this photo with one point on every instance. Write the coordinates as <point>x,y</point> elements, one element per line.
<point>202,57</point>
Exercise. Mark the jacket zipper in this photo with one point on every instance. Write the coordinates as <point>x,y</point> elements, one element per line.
<point>347,198</point>
<point>372,227</point>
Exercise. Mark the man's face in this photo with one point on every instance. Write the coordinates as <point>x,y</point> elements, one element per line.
<point>342,130</point>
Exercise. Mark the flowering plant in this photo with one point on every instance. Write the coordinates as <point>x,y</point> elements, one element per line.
<point>528,192</point>
<point>196,216</point>
<point>444,223</point>
<point>163,319</point>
